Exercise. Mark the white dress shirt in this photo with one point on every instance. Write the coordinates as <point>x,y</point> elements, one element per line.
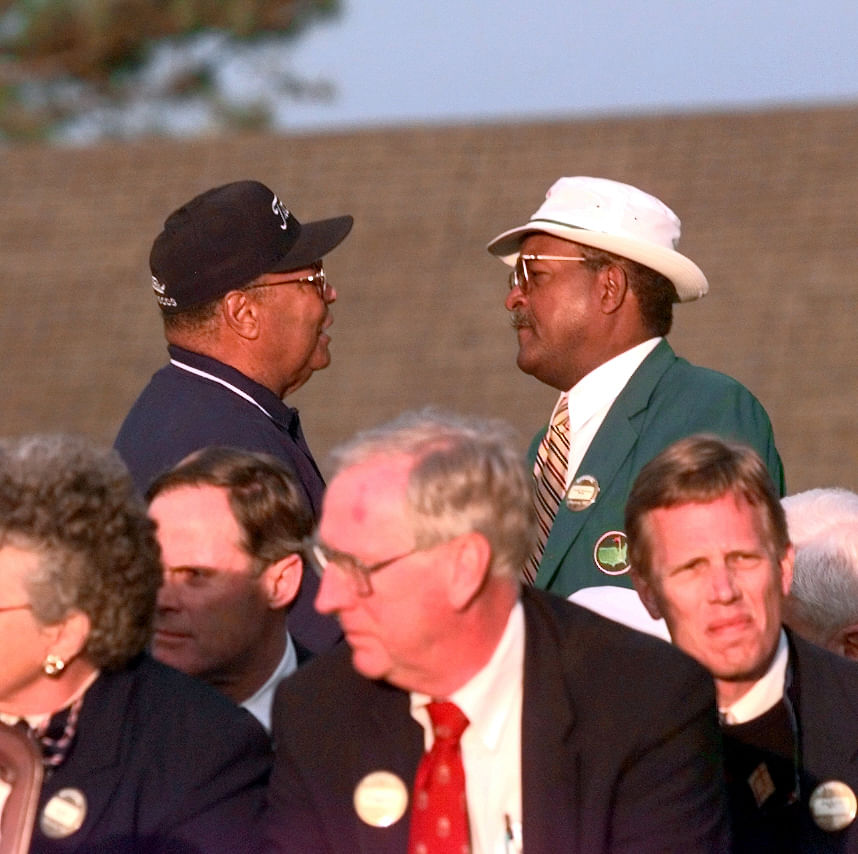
<point>593,395</point>
<point>260,703</point>
<point>491,744</point>
<point>766,691</point>
<point>589,401</point>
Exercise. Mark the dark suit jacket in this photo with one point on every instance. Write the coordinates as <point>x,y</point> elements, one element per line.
<point>620,749</point>
<point>825,697</point>
<point>666,399</point>
<point>166,764</point>
<point>180,412</point>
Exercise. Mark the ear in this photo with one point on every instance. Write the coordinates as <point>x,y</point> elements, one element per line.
<point>281,581</point>
<point>241,314</point>
<point>786,565</point>
<point>845,641</point>
<point>67,638</point>
<point>468,568</point>
<point>647,595</point>
<point>614,287</point>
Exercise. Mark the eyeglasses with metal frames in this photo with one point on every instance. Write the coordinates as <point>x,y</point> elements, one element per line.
<point>26,607</point>
<point>318,279</point>
<point>321,557</point>
<point>519,277</point>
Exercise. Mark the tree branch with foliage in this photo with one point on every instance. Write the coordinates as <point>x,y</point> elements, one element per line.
<point>100,44</point>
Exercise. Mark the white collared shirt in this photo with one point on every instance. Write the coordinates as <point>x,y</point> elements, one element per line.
<point>766,691</point>
<point>260,703</point>
<point>593,395</point>
<point>491,744</point>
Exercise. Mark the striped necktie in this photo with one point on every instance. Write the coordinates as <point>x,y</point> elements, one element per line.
<point>549,476</point>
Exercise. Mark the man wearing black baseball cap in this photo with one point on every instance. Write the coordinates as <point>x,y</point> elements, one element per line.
<point>246,308</point>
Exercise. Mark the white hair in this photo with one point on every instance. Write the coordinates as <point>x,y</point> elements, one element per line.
<point>467,475</point>
<point>823,527</point>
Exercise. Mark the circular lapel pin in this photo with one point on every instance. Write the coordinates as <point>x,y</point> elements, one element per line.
<point>833,805</point>
<point>611,554</point>
<point>380,799</point>
<point>63,813</point>
<point>582,492</point>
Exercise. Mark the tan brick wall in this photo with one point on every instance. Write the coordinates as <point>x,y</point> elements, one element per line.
<point>768,202</point>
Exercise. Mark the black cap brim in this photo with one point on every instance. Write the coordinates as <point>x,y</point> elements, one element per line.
<point>314,242</point>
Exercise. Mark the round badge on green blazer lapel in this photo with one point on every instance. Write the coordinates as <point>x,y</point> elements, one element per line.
<point>582,492</point>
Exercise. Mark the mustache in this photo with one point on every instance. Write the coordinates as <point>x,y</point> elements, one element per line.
<point>520,319</point>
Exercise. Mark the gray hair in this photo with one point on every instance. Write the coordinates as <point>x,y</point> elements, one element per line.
<point>823,527</point>
<point>74,506</point>
<point>467,476</point>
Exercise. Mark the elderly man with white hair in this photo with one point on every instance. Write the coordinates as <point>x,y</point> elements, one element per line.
<point>822,605</point>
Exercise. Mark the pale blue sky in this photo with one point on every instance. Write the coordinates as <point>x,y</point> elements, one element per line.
<point>402,61</point>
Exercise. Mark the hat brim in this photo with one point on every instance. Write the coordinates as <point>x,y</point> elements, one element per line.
<point>314,242</point>
<point>686,276</point>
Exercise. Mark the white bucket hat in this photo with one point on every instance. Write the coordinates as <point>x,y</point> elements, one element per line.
<point>615,217</point>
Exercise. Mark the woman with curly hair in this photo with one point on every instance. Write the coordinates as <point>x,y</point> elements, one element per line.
<point>137,756</point>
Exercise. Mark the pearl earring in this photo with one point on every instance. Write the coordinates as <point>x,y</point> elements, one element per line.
<point>53,665</point>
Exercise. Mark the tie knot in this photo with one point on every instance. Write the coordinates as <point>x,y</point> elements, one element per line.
<point>448,721</point>
<point>560,421</point>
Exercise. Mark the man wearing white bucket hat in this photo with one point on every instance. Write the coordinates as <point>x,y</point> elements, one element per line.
<point>595,274</point>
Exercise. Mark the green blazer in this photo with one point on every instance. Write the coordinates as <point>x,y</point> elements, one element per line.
<point>666,399</point>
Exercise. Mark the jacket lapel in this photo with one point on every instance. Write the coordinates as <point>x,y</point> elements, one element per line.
<point>94,765</point>
<point>611,445</point>
<point>828,714</point>
<point>394,743</point>
<point>548,762</point>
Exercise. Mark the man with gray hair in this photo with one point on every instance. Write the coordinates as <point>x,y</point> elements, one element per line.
<point>465,713</point>
<point>822,604</point>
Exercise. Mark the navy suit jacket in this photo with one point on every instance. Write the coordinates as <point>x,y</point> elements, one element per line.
<point>666,399</point>
<point>167,765</point>
<point>180,412</point>
<point>826,709</point>
<point>620,748</point>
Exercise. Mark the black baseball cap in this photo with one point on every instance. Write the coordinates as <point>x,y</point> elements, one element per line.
<point>230,235</point>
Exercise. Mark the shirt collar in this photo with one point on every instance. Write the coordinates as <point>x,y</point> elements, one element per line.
<point>260,703</point>
<point>488,697</point>
<point>766,691</point>
<point>603,384</point>
<point>278,411</point>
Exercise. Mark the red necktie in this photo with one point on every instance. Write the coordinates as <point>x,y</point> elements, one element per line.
<point>439,812</point>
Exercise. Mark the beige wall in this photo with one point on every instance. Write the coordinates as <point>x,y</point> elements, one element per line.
<point>769,203</point>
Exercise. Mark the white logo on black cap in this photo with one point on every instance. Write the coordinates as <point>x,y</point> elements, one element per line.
<point>160,291</point>
<point>282,211</point>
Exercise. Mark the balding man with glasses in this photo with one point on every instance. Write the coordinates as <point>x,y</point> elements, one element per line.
<point>467,713</point>
<point>246,308</point>
<point>595,274</point>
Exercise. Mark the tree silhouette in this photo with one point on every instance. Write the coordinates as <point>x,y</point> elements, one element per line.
<point>99,42</point>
